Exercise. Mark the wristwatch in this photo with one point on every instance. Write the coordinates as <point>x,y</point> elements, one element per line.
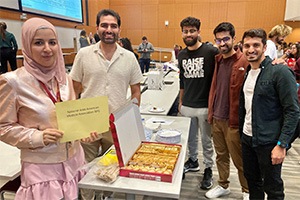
<point>282,145</point>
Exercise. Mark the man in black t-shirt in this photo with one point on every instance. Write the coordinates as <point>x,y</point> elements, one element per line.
<point>196,63</point>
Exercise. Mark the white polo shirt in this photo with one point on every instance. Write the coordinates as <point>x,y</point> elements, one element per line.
<point>101,77</point>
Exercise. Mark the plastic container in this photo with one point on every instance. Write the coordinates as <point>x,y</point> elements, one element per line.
<point>148,131</point>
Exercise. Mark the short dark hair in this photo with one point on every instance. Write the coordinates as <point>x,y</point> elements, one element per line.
<point>106,12</point>
<point>225,26</point>
<point>144,38</point>
<point>260,33</point>
<point>3,25</point>
<point>190,21</point>
<point>83,33</point>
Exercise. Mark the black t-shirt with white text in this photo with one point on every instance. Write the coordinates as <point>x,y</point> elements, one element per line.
<point>196,72</point>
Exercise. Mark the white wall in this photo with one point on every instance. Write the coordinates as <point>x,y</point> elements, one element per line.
<point>292,10</point>
<point>65,35</point>
<point>13,4</point>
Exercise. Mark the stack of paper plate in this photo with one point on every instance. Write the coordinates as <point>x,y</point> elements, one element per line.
<point>153,126</point>
<point>168,136</point>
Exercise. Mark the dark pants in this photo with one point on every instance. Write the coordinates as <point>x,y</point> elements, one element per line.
<point>8,55</point>
<point>261,175</point>
<point>174,108</point>
<point>144,62</point>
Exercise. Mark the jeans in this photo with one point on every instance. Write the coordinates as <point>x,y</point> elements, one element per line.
<point>261,175</point>
<point>144,62</point>
<point>199,121</point>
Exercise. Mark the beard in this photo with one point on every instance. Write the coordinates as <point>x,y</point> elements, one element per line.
<point>225,50</point>
<point>110,40</point>
<point>279,41</point>
<point>190,42</point>
<point>255,59</point>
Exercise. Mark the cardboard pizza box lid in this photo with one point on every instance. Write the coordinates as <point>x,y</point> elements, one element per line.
<point>127,131</point>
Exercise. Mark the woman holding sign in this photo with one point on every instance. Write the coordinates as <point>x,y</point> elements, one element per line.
<point>50,169</point>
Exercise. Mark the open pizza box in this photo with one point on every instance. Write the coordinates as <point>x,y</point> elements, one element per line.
<point>137,157</point>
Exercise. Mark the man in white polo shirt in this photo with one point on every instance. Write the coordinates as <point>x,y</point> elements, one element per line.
<point>106,69</point>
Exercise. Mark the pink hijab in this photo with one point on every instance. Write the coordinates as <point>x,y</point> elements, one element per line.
<point>44,75</point>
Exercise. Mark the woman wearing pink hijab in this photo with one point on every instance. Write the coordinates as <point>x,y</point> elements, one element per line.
<point>50,169</point>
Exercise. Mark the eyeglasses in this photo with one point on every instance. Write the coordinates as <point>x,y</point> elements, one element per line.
<point>191,31</point>
<point>224,39</point>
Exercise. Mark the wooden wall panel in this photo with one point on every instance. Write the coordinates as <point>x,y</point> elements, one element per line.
<point>135,36</point>
<point>166,2</point>
<point>150,2</point>
<point>166,12</point>
<point>182,10</point>
<point>202,12</point>
<point>9,14</point>
<point>178,38</point>
<point>234,16</point>
<point>295,36</point>
<point>244,14</point>
<point>198,1</point>
<point>131,16</point>
<point>149,17</point>
<point>166,38</point>
<point>206,35</point>
<point>273,14</point>
<point>252,18</point>
<point>124,2</point>
<point>215,13</point>
<point>239,34</point>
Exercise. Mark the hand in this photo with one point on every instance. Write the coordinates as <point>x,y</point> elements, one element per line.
<point>179,107</point>
<point>288,51</point>
<point>277,155</point>
<point>279,61</point>
<point>51,136</point>
<point>93,137</point>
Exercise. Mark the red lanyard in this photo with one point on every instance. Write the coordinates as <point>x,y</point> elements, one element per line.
<point>53,99</point>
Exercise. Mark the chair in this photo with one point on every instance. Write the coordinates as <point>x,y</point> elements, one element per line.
<point>11,186</point>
